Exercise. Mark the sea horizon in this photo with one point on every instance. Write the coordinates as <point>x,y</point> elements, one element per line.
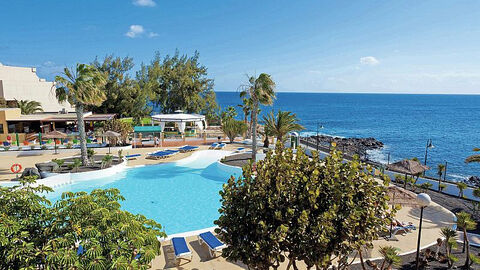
<point>403,122</point>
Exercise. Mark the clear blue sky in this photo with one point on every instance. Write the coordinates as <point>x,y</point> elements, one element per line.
<point>428,46</point>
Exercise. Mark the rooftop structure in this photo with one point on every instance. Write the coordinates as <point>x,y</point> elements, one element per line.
<point>12,121</point>
<point>22,83</point>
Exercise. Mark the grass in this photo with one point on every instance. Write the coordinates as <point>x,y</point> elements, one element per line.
<point>145,120</point>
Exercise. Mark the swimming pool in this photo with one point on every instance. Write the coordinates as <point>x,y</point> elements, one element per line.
<point>182,196</point>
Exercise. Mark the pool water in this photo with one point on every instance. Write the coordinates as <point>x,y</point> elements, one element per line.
<point>182,196</point>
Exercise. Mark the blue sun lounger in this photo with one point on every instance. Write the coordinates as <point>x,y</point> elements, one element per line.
<point>214,245</point>
<point>187,148</point>
<point>213,145</point>
<point>240,149</point>
<point>130,157</point>
<point>221,146</point>
<point>181,249</point>
<point>159,155</point>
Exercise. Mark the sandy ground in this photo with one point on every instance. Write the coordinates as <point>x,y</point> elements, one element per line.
<point>435,216</point>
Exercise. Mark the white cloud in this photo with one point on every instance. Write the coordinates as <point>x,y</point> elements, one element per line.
<point>152,34</point>
<point>144,3</point>
<point>48,64</point>
<point>369,61</point>
<point>135,30</point>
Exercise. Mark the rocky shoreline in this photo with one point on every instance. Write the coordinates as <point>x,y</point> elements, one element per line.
<point>348,145</point>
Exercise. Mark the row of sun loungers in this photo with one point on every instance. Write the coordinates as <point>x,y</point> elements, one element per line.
<point>166,153</point>
<point>182,251</point>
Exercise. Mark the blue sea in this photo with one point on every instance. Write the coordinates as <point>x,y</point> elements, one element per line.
<point>403,123</point>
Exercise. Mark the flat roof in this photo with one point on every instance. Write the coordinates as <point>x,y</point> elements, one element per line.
<point>147,129</point>
<point>47,117</point>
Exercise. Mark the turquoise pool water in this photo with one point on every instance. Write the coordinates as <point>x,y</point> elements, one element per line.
<point>182,196</point>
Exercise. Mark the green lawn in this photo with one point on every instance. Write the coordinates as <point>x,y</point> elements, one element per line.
<point>145,120</point>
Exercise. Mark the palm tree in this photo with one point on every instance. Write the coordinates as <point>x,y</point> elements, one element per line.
<point>449,234</point>
<point>440,171</point>
<point>461,186</point>
<point>473,158</point>
<point>81,87</point>
<point>465,222</point>
<point>29,106</point>
<point>281,124</point>
<point>261,91</point>
<point>390,257</point>
<point>246,108</point>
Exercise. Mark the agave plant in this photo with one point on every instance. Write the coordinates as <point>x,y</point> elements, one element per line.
<point>107,161</point>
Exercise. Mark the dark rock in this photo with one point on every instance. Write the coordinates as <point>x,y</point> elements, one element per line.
<point>31,172</point>
<point>348,145</point>
<point>473,181</point>
<point>47,167</point>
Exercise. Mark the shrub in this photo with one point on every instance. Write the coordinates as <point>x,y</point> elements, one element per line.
<point>36,235</point>
<point>332,208</point>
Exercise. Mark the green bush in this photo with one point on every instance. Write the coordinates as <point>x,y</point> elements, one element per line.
<point>291,206</point>
<point>34,234</point>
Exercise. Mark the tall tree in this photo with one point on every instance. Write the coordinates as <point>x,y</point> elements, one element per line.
<point>29,106</point>
<point>261,91</point>
<point>180,82</point>
<point>281,124</point>
<point>124,96</point>
<point>246,109</point>
<point>81,87</point>
<point>465,223</point>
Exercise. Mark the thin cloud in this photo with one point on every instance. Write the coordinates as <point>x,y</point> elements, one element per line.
<point>144,3</point>
<point>369,61</point>
<point>152,34</point>
<point>135,30</point>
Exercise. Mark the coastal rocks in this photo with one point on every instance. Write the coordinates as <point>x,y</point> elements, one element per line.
<point>31,172</point>
<point>473,181</point>
<point>349,145</point>
<point>47,167</point>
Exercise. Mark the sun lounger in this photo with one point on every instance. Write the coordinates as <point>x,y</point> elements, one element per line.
<point>213,145</point>
<point>240,150</point>
<point>396,230</point>
<point>162,154</point>
<point>214,245</point>
<point>132,157</point>
<point>187,148</point>
<point>220,146</point>
<point>181,249</point>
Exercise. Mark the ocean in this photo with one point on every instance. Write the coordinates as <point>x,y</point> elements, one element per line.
<point>403,123</point>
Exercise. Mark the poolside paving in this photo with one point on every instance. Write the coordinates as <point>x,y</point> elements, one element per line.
<point>28,158</point>
<point>435,218</point>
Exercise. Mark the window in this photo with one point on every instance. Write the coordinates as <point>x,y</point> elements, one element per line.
<point>1,128</point>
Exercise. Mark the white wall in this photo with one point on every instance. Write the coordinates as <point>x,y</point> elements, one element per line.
<point>22,83</point>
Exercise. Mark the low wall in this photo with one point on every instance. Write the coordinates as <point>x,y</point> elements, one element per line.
<point>54,180</point>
